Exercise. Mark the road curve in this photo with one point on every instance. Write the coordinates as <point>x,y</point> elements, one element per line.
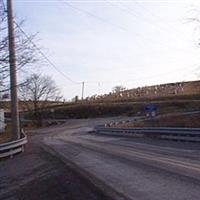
<point>134,168</point>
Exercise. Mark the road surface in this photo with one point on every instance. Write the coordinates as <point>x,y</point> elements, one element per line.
<point>125,168</point>
<point>133,168</point>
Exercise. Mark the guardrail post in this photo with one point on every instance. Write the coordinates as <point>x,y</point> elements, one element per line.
<point>22,148</point>
<point>11,155</point>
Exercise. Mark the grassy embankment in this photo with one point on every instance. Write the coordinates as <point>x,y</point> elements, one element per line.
<point>84,109</point>
<point>170,120</point>
<point>130,108</point>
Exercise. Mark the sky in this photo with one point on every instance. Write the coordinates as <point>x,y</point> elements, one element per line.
<point>107,43</point>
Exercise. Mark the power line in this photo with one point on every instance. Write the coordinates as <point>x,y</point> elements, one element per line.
<point>128,11</point>
<point>39,50</point>
<point>95,16</point>
<point>10,88</point>
<point>157,25</point>
<point>122,28</point>
<point>90,14</point>
<point>45,57</point>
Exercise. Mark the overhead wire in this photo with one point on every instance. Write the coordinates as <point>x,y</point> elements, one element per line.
<point>128,11</point>
<point>162,26</point>
<point>45,57</point>
<point>94,16</point>
<point>122,28</point>
<point>89,14</point>
<point>135,17</point>
<point>99,18</point>
<point>39,50</point>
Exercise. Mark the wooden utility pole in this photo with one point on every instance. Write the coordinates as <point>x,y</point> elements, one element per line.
<point>83,85</point>
<point>13,75</point>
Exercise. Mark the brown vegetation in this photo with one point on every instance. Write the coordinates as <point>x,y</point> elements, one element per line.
<point>23,105</point>
<point>6,136</point>
<point>177,120</point>
<point>112,109</point>
<point>170,90</point>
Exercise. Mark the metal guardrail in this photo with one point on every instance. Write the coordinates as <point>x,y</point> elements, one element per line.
<point>13,147</point>
<point>181,134</point>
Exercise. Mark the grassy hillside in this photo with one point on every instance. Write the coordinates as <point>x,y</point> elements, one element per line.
<point>169,98</point>
<point>170,90</point>
<point>89,110</point>
<point>176,120</point>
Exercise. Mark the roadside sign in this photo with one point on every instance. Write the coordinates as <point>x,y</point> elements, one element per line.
<point>150,108</point>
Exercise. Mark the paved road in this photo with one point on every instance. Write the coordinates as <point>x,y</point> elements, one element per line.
<point>38,175</point>
<point>127,168</point>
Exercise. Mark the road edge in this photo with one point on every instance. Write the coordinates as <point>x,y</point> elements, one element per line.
<point>86,176</point>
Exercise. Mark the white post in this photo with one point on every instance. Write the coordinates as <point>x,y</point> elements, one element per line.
<point>2,124</point>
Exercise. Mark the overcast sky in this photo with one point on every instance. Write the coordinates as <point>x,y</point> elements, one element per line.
<point>108,43</point>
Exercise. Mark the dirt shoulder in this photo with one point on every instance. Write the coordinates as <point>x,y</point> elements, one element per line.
<point>37,174</point>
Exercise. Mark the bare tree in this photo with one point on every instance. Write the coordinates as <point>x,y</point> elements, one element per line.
<point>118,88</point>
<point>37,92</point>
<point>194,19</point>
<point>27,54</point>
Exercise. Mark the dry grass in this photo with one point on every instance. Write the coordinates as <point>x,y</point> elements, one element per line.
<point>190,121</point>
<point>6,136</point>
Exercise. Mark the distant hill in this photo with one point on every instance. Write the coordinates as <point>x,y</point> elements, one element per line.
<point>169,98</point>
<point>172,91</point>
<point>151,92</point>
